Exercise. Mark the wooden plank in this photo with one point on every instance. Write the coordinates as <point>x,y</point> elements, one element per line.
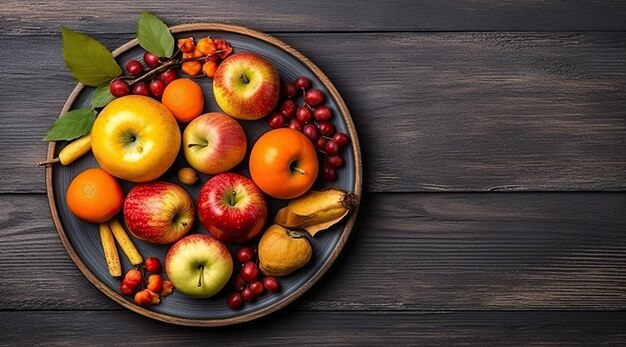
<point>434,111</point>
<point>36,17</point>
<point>408,252</point>
<point>324,328</point>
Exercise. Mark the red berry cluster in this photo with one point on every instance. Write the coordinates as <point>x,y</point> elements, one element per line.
<point>150,290</point>
<point>135,69</point>
<point>249,283</point>
<point>313,119</point>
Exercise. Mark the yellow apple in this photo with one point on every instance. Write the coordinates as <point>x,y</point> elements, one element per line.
<point>135,138</point>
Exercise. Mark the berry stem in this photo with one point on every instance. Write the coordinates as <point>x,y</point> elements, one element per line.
<point>168,64</point>
<point>156,70</point>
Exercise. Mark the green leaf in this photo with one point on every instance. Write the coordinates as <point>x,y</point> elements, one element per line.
<point>154,36</point>
<point>90,61</point>
<point>71,125</point>
<point>102,96</point>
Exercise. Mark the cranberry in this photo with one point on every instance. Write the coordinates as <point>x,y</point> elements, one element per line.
<point>245,254</point>
<point>249,271</point>
<point>289,90</point>
<point>134,67</point>
<point>304,114</point>
<point>257,287</point>
<point>326,128</point>
<point>341,139</point>
<point>302,82</point>
<point>311,131</point>
<point>271,284</point>
<point>331,147</point>
<point>168,76</point>
<point>247,294</point>
<point>141,88</point>
<point>235,301</point>
<point>238,284</point>
<point>295,125</point>
<point>314,97</point>
<point>288,108</point>
<point>322,113</point>
<point>157,87</point>
<point>335,161</point>
<point>150,59</point>
<point>153,265</point>
<point>277,120</point>
<point>119,88</point>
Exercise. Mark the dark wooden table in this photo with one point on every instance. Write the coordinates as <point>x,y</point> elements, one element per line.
<point>494,144</point>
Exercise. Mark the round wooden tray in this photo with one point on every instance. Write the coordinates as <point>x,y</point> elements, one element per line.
<point>81,239</point>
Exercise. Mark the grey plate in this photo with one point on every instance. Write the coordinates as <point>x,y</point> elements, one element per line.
<point>81,239</point>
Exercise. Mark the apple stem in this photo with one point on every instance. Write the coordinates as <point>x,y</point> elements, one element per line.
<point>192,145</point>
<point>232,198</point>
<point>244,79</point>
<point>302,172</point>
<point>184,224</point>
<point>200,277</point>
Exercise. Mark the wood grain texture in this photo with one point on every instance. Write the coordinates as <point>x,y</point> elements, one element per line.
<point>323,328</point>
<point>434,111</point>
<point>24,17</point>
<point>408,252</point>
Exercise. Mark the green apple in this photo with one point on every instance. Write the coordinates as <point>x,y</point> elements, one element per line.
<point>246,86</point>
<point>198,265</point>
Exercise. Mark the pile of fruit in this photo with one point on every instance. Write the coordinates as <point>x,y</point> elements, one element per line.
<point>139,122</point>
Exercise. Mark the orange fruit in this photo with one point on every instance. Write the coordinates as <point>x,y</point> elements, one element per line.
<point>94,196</point>
<point>283,163</point>
<point>184,98</point>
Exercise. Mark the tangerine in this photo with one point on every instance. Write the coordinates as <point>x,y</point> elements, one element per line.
<point>94,196</point>
<point>184,98</point>
<point>283,163</point>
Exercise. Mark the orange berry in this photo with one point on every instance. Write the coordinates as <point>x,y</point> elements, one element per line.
<point>155,283</point>
<point>192,68</point>
<point>184,98</point>
<point>224,47</point>
<point>94,196</point>
<point>209,68</point>
<point>186,45</point>
<point>206,45</point>
<point>167,289</point>
<point>146,297</point>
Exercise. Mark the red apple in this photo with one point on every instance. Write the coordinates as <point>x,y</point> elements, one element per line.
<point>246,86</point>
<point>198,265</point>
<point>214,143</point>
<point>232,208</point>
<point>158,212</point>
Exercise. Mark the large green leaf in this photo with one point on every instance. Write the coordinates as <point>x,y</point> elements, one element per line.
<point>101,96</point>
<point>154,36</point>
<point>90,61</point>
<point>71,125</point>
